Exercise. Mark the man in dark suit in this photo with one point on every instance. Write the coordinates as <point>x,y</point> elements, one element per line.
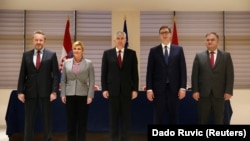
<point>119,85</point>
<point>166,78</point>
<point>38,86</point>
<point>212,80</point>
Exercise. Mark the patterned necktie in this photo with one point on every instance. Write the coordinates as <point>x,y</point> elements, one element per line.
<point>166,55</point>
<point>119,58</point>
<point>38,60</point>
<point>212,59</point>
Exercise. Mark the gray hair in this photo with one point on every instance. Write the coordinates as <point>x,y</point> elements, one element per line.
<point>120,33</point>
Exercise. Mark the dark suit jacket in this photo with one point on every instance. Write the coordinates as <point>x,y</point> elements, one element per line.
<point>40,82</point>
<point>113,77</point>
<point>220,79</point>
<point>176,69</point>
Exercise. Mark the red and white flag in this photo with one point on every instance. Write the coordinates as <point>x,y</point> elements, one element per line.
<point>67,46</point>
<point>175,35</point>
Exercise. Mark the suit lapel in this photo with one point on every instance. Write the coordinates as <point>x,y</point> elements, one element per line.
<point>82,64</point>
<point>160,53</point>
<point>31,55</point>
<point>206,54</point>
<point>125,56</point>
<point>114,56</point>
<point>218,57</point>
<point>171,52</point>
<point>69,66</point>
<point>208,60</point>
<point>43,58</point>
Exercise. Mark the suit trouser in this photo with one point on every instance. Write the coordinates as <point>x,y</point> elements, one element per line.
<point>119,108</point>
<point>165,106</point>
<point>209,105</point>
<point>77,113</point>
<point>30,107</point>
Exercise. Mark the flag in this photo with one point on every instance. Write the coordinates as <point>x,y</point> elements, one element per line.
<point>174,36</point>
<point>67,46</point>
<point>126,31</point>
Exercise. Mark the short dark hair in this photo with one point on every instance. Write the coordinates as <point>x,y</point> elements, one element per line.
<point>165,26</point>
<point>214,33</point>
<point>39,32</point>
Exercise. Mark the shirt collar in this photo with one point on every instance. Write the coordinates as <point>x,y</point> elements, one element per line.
<point>41,51</point>
<point>215,51</point>
<point>163,45</point>
<point>120,49</point>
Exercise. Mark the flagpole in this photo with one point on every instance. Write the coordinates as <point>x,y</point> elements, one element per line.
<point>174,16</point>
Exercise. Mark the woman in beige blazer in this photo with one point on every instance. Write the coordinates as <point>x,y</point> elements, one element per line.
<point>77,91</point>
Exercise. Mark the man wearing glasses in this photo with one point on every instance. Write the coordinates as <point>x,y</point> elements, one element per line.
<point>166,78</point>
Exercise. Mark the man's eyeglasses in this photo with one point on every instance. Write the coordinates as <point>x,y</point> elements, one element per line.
<point>166,32</point>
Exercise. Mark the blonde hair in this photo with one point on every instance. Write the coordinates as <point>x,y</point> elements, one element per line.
<point>78,43</point>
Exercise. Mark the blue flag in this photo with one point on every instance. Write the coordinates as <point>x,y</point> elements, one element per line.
<point>125,30</point>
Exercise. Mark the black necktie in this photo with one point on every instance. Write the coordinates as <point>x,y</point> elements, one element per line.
<point>166,55</point>
<point>119,58</point>
<point>38,60</point>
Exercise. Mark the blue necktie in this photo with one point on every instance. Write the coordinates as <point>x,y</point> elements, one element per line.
<point>166,55</point>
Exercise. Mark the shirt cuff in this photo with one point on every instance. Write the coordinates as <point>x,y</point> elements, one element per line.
<point>183,89</point>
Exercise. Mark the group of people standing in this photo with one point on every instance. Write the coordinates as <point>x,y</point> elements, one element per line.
<point>166,80</point>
